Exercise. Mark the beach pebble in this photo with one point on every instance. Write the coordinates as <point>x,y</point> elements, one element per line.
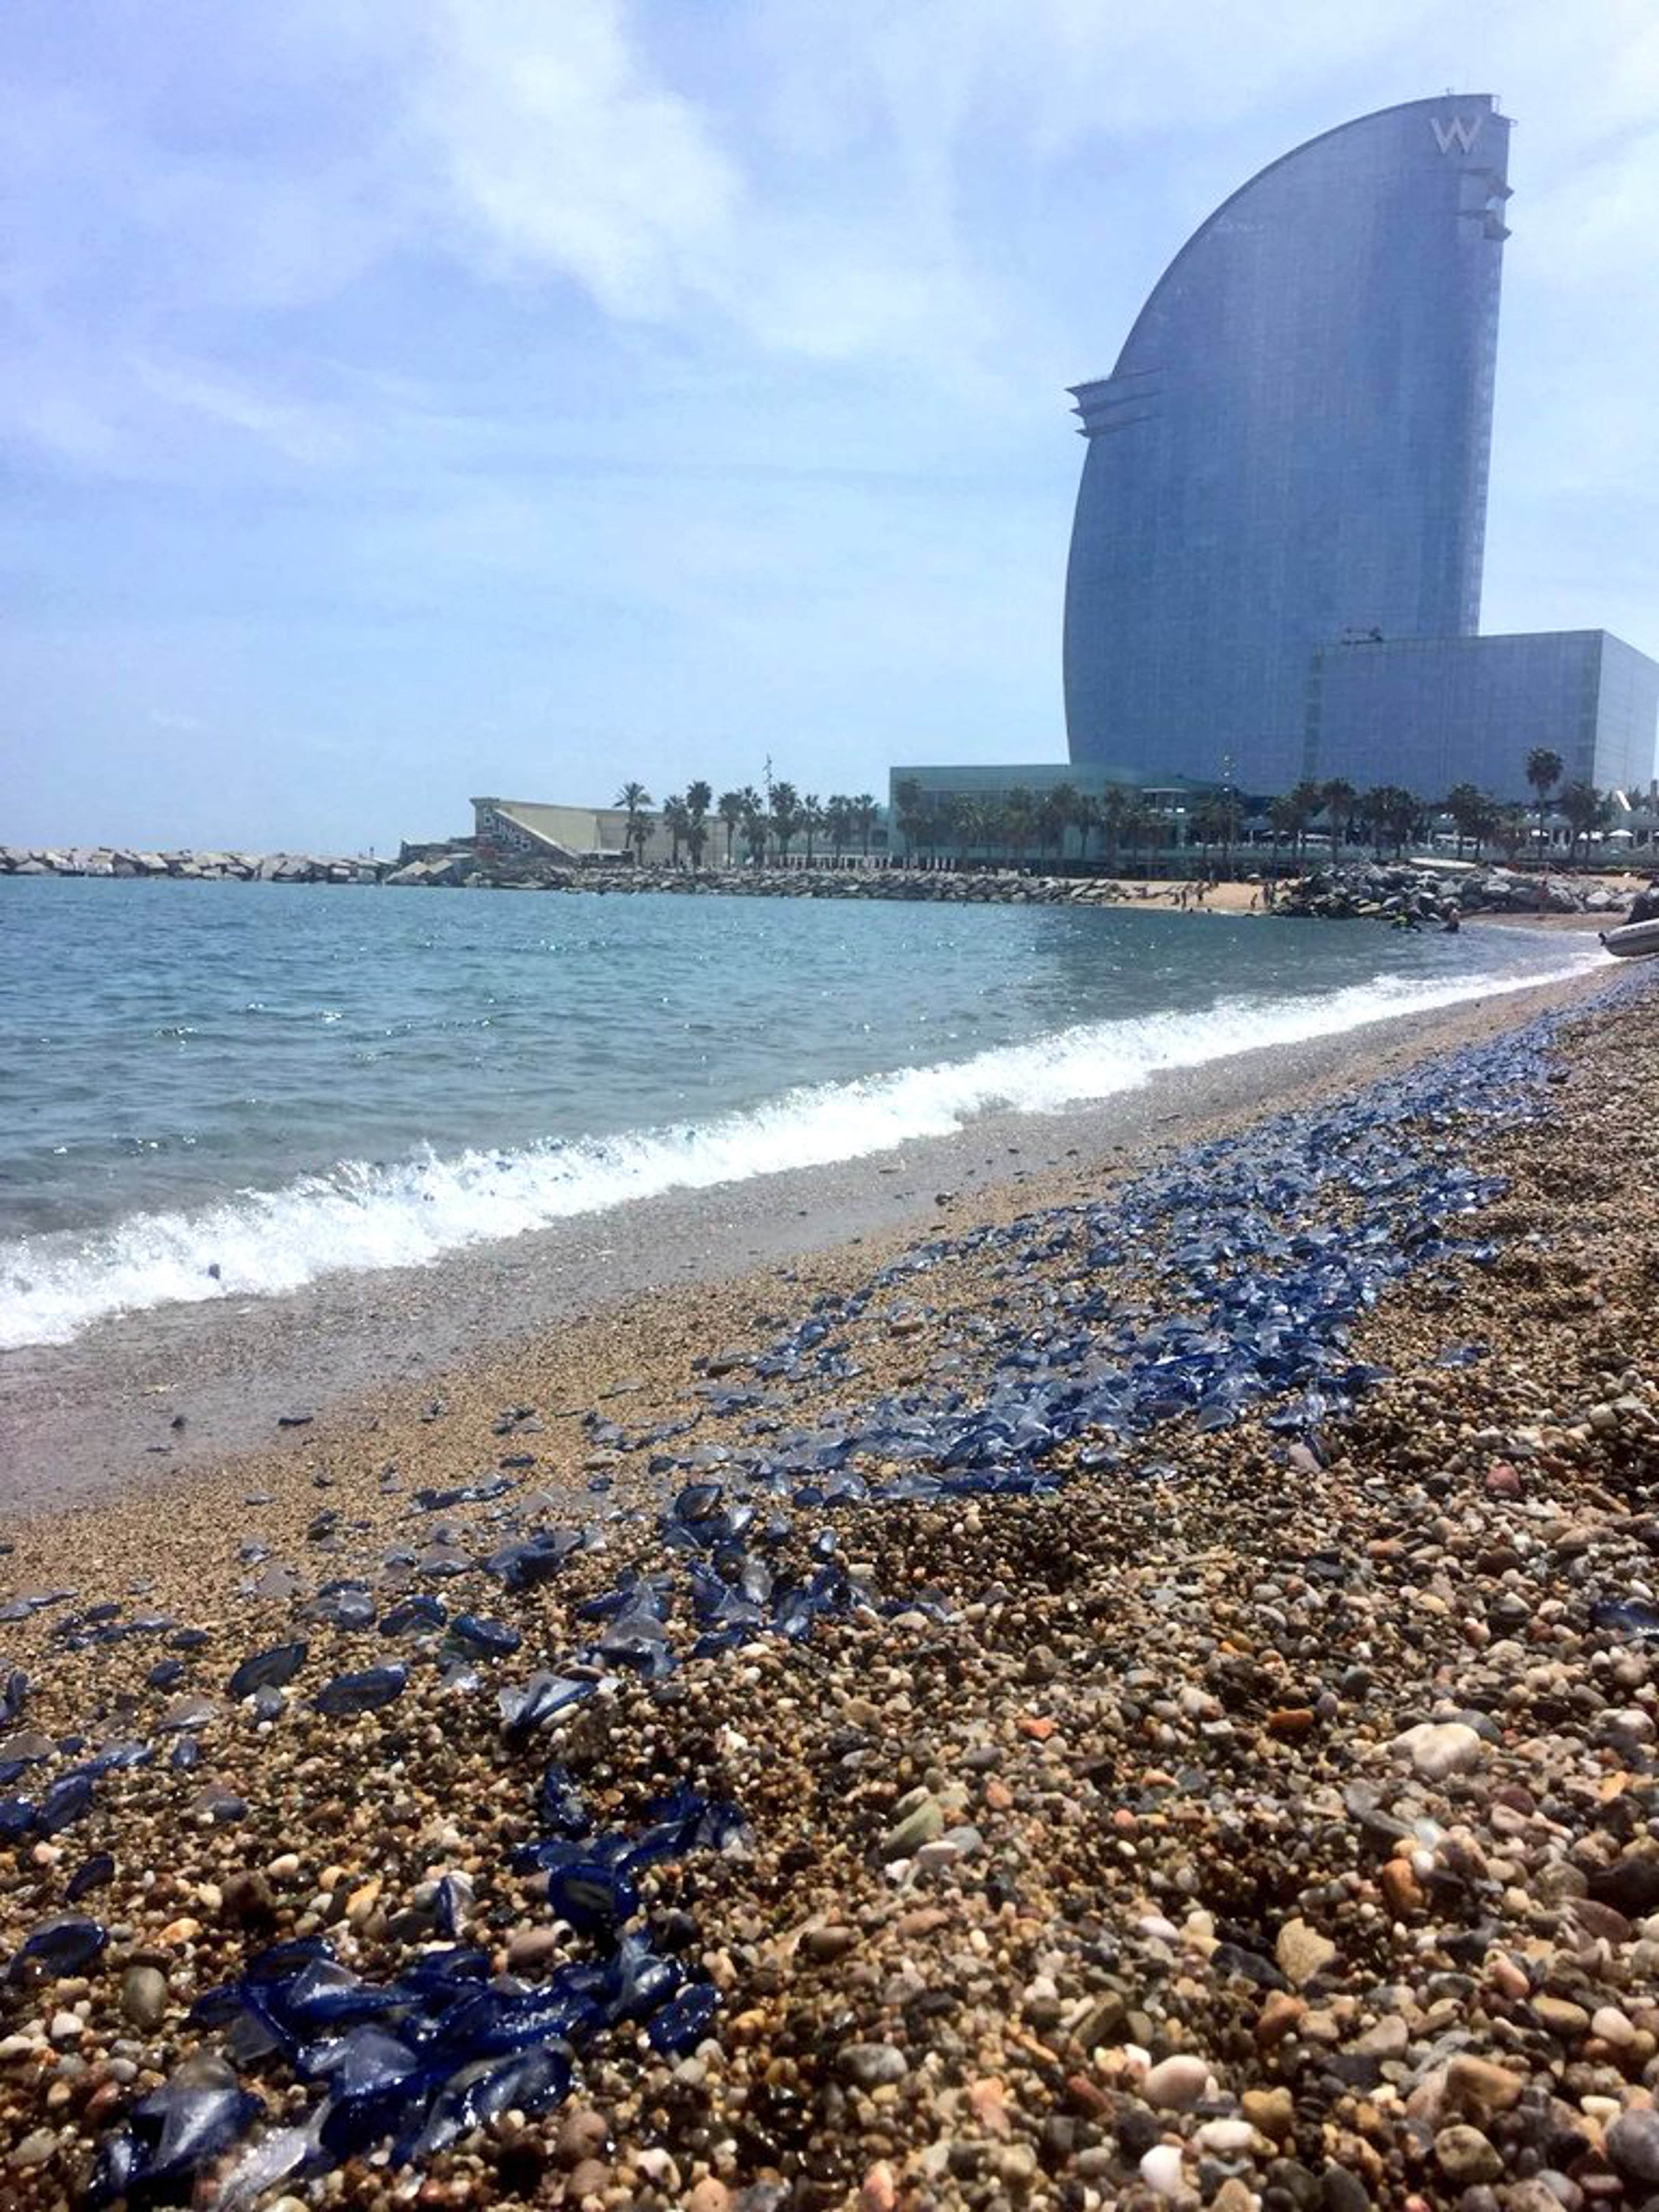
<point>871,2064</point>
<point>144,1996</point>
<point>1464,2155</point>
<point>1176,2084</point>
<point>1439,1749</point>
<point>1633,2145</point>
<point>1160,2169</point>
<point>1303,1952</point>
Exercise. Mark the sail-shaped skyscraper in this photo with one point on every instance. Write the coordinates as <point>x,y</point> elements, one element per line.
<point>1292,447</point>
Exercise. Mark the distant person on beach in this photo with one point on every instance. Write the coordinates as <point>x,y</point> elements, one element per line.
<point>1644,907</point>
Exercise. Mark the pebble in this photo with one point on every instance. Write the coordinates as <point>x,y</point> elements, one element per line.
<point>144,1996</point>
<point>1441,1749</point>
<point>871,2064</point>
<point>1465,2155</point>
<point>1303,1952</point>
<point>1176,2084</point>
<point>1160,2169</point>
<point>1633,2145</point>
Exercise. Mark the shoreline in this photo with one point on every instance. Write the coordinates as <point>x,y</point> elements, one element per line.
<point>83,1421</point>
<point>1263,1813</point>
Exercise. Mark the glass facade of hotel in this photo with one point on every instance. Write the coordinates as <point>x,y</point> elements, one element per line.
<point>1430,713</point>
<point>1292,447</point>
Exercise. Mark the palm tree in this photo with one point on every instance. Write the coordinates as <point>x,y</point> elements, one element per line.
<point>1544,771</point>
<point>1306,800</point>
<point>1467,806</point>
<point>864,814</point>
<point>730,810</point>
<point>1337,795</point>
<point>1586,810</point>
<point>1285,819</point>
<point>1111,807</point>
<point>787,816</point>
<point>699,797</point>
<point>1509,830</point>
<point>1083,816</point>
<point>838,821</point>
<point>677,820</point>
<point>908,812</point>
<point>812,820</point>
<point>754,823</point>
<point>1057,806</point>
<point>1138,823</point>
<point>636,799</point>
<point>1019,819</point>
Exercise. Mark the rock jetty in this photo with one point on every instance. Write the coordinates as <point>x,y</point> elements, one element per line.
<point>1364,889</point>
<point>1149,1705</point>
<point>111,860</point>
<point>1382,892</point>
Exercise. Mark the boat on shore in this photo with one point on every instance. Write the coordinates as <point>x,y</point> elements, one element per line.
<point>1632,940</point>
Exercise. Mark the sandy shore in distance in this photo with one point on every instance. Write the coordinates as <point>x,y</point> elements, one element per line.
<point>661,1278</point>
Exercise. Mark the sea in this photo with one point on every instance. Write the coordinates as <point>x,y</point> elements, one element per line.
<point>213,1091</point>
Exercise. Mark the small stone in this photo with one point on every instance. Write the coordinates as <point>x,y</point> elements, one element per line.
<point>825,1945</point>
<point>1475,2085</point>
<point>871,2065</point>
<point>879,2192</point>
<point>35,2150</point>
<point>1633,2145</point>
<point>1176,2085</point>
<point>1438,1749</point>
<point>528,1949</point>
<point>1227,2138</point>
<point>1564,2019</point>
<point>710,2195</point>
<point>66,2027</point>
<point>1280,2011</point>
<point>144,1996</point>
<point>1015,2166</point>
<point>1403,1893</point>
<point>1303,1952</point>
<point>922,1824</point>
<point>1611,2025</point>
<point>1465,2155</point>
<point>591,2177</point>
<point>1160,2169</point>
<point>583,2133</point>
<point>1271,2112</point>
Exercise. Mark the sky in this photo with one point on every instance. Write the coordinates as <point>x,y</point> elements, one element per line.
<point>402,400</point>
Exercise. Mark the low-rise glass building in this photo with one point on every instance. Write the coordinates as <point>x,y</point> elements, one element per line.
<point>1430,713</point>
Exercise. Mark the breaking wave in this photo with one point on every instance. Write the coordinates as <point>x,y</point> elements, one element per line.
<point>360,1216</point>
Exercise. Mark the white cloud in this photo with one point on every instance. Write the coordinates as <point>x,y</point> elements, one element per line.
<point>303,433</point>
<point>559,150</point>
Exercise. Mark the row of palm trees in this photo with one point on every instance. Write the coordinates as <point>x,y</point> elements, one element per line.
<point>1018,822</point>
<point>761,822</point>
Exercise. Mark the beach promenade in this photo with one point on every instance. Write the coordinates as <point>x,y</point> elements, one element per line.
<point>1134,1687</point>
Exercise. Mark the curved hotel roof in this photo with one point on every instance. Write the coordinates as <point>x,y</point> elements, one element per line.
<point>1292,447</point>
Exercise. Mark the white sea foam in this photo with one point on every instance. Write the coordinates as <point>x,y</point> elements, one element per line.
<point>407,1214</point>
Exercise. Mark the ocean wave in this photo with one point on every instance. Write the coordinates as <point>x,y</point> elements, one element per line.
<point>368,1216</point>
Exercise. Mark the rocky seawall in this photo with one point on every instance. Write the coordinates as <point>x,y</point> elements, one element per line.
<point>1150,1703</point>
<point>117,860</point>
<point>1363,890</point>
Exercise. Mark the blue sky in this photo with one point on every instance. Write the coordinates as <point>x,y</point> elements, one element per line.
<point>408,398</point>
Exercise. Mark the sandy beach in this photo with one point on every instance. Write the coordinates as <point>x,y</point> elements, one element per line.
<point>1233,1801</point>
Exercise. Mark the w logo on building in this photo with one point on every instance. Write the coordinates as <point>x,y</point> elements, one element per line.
<point>1462,131</point>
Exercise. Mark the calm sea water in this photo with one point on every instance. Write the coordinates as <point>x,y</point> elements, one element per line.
<point>223,1089</point>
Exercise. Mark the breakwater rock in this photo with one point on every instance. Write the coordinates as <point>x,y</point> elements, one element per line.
<point>194,867</point>
<point>984,887</point>
<point>1383,892</point>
